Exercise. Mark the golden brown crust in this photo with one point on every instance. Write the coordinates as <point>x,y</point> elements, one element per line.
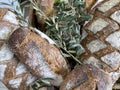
<point>25,46</point>
<point>12,72</point>
<point>82,76</point>
<point>10,75</point>
<point>20,38</point>
<point>101,35</point>
<point>108,12</point>
<point>17,38</point>
<point>100,43</point>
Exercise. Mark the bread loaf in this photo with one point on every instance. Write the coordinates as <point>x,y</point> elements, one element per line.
<point>87,77</point>
<point>39,54</point>
<point>12,72</point>
<point>101,42</point>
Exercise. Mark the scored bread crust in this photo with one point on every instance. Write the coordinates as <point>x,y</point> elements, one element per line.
<point>20,38</point>
<point>12,72</point>
<point>87,77</point>
<point>43,59</point>
<point>101,38</point>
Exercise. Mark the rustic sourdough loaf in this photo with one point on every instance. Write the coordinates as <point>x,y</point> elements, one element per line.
<point>101,38</point>
<point>39,54</point>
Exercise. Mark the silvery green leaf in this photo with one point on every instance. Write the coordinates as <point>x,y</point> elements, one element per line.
<point>72,51</point>
<point>34,7</point>
<point>66,55</point>
<point>56,26</point>
<point>53,19</point>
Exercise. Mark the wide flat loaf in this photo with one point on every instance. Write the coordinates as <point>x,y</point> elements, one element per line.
<point>101,40</point>
<point>41,57</point>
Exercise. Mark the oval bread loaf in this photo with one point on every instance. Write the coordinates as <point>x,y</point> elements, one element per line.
<point>42,58</point>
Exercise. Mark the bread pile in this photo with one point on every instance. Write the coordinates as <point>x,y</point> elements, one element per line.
<point>26,54</point>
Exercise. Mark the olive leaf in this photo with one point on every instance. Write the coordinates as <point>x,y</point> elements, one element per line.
<point>41,83</point>
<point>64,26</point>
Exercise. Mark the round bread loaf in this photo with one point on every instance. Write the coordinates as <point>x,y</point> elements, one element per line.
<point>101,38</point>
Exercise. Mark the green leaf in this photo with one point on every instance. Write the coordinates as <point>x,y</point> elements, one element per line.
<point>66,55</point>
<point>72,51</point>
<point>56,26</point>
<point>40,83</point>
<point>57,2</point>
<point>34,7</point>
<point>64,27</point>
<point>24,3</point>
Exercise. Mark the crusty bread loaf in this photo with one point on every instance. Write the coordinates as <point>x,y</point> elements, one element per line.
<point>87,77</point>
<point>41,57</point>
<point>101,38</point>
<point>13,73</point>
